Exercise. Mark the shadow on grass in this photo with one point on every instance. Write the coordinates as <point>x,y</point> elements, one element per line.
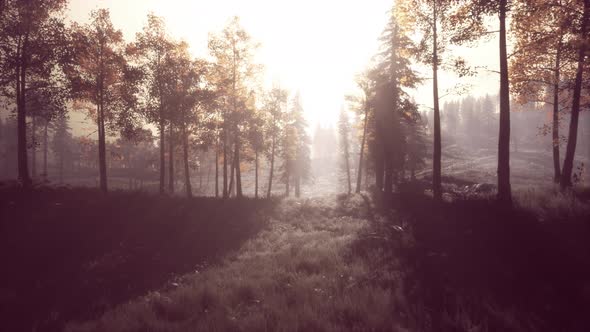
<point>468,265</point>
<point>71,254</point>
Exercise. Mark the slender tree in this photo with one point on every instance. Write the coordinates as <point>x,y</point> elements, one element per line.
<point>362,104</point>
<point>233,50</point>
<point>542,60</point>
<point>149,52</point>
<point>582,44</point>
<point>276,122</point>
<point>62,144</point>
<point>467,24</point>
<point>99,71</point>
<point>46,101</point>
<point>344,140</point>
<point>428,18</point>
<point>257,140</point>
<point>32,37</point>
<point>301,168</point>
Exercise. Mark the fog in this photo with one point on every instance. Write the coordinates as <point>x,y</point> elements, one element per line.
<point>294,166</point>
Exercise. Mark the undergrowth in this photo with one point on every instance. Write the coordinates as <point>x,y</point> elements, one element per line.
<point>296,275</point>
<point>343,264</point>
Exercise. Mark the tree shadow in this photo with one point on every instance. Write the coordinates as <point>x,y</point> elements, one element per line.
<point>71,254</point>
<point>469,264</point>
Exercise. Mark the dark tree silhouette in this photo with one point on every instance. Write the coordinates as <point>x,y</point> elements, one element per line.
<point>32,38</point>
<point>149,52</point>
<point>568,163</point>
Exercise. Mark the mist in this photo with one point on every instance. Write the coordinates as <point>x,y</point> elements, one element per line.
<point>294,166</point>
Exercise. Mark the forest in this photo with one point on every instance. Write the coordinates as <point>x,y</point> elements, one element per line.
<point>152,183</point>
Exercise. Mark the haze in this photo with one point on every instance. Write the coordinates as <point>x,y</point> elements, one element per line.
<point>294,165</point>
<point>316,47</point>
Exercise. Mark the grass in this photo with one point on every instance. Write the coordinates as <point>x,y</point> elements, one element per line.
<point>74,253</point>
<point>336,263</point>
<point>295,275</point>
<point>553,204</point>
<point>475,266</point>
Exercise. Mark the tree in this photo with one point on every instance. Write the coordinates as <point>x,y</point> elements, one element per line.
<point>302,161</point>
<point>31,35</point>
<point>233,51</point>
<point>361,104</point>
<point>149,51</point>
<point>46,101</point>
<point>415,128</point>
<point>276,121</point>
<point>467,23</point>
<point>451,117</point>
<point>8,147</point>
<point>182,88</point>
<point>257,138</point>
<point>213,122</point>
<point>393,73</point>
<point>101,77</point>
<point>288,151</point>
<point>542,59</point>
<point>487,114</point>
<point>344,139</point>
<point>62,144</point>
<point>582,41</point>
<point>427,16</point>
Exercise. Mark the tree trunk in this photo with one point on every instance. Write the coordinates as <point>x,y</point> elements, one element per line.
<point>237,166</point>
<point>272,166</point>
<point>34,147</point>
<point>21,119</point>
<point>45,148</point>
<point>208,175</point>
<point>362,152</point>
<point>201,174</point>
<point>366,176</point>
<point>231,175</point>
<point>102,163</point>
<point>225,143</point>
<point>187,176</point>
<point>568,163</point>
<point>504,190</point>
<point>436,158</point>
<point>162,155</point>
<point>256,173</point>
<point>555,138</point>
<point>171,174</point>
<point>61,165</point>
<point>347,164</point>
<point>217,170</point>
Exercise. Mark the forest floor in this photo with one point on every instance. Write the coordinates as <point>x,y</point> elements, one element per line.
<point>528,167</point>
<point>136,262</point>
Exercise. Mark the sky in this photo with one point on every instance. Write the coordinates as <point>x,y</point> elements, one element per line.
<point>315,47</point>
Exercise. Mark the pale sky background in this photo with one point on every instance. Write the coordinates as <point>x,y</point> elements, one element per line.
<point>314,46</point>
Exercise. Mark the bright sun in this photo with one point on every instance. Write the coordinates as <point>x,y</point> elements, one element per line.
<point>315,47</point>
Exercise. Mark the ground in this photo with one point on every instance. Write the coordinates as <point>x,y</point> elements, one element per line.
<point>295,275</point>
<point>82,261</point>
<point>72,253</point>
